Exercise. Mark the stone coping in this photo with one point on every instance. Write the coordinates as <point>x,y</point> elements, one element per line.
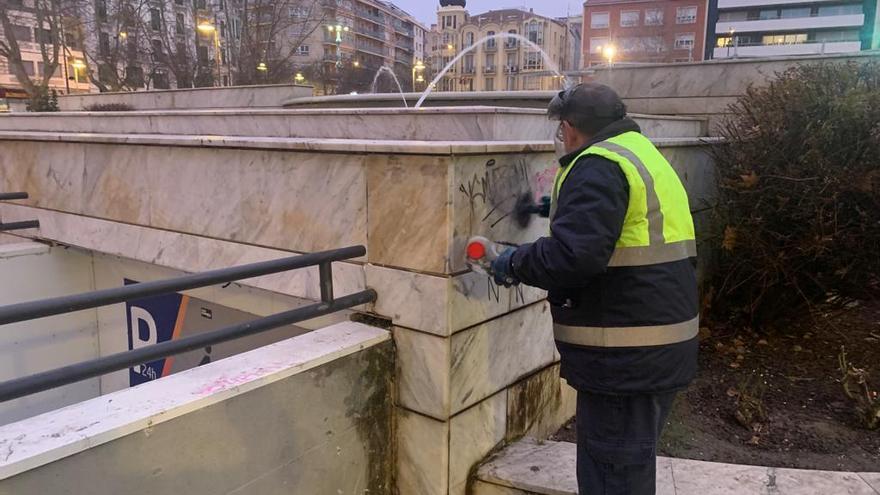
<point>26,248</point>
<point>457,110</point>
<point>48,437</point>
<point>188,90</point>
<point>318,144</point>
<point>548,468</point>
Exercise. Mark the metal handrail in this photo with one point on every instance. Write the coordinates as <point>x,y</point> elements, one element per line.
<point>66,304</point>
<point>13,195</point>
<point>20,387</point>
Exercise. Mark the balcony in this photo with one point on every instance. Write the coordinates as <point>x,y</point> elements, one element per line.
<point>511,69</point>
<point>469,70</point>
<point>792,24</point>
<point>365,14</point>
<point>511,45</point>
<point>490,48</point>
<point>735,4</point>
<point>373,49</point>
<point>400,28</point>
<point>372,33</point>
<point>403,58</point>
<point>489,69</point>
<point>792,49</point>
<point>404,43</point>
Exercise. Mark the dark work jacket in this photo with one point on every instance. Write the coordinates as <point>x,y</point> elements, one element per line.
<point>572,265</point>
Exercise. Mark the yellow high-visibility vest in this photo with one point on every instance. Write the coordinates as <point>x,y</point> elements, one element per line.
<point>658,227</point>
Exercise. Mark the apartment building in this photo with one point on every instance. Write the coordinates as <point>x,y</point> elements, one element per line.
<point>365,35</point>
<point>67,77</point>
<point>499,63</point>
<point>767,28</point>
<point>643,31</point>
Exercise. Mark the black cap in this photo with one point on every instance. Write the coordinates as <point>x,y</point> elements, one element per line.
<point>586,101</point>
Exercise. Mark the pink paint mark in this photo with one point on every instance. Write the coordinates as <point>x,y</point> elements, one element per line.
<point>543,182</point>
<point>224,382</point>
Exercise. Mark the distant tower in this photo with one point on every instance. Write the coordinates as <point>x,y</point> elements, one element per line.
<point>450,3</point>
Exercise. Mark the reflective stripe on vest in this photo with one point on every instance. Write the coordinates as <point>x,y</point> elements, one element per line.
<point>658,227</point>
<point>628,336</point>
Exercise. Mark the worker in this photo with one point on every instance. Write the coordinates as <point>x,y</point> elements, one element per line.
<point>619,266</point>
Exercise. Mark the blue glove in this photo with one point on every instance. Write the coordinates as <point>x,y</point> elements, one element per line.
<point>544,207</point>
<point>502,271</point>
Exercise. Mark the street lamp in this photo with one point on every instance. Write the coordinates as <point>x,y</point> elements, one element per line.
<point>356,63</point>
<point>338,29</point>
<point>123,35</point>
<point>609,51</point>
<point>299,78</point>
<point>262,67</point>
<point>208,29</point>
<point>419,67</point>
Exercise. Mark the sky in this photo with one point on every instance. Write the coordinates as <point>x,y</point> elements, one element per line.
<point>426,10</point>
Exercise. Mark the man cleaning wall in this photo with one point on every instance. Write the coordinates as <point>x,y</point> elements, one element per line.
<point>619,265</point>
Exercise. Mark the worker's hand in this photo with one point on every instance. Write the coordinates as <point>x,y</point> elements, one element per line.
<point>544,207</point>
<point>502,271</point>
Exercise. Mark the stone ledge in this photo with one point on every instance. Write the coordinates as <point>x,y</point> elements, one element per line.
<point>46,438</point>
<point>548,468</point>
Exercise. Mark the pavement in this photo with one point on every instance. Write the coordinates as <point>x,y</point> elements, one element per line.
<point>533,467</point>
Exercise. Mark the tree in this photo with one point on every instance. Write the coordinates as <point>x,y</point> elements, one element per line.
<point>109,33</point>
<point>272,32</point>
<point>43,20</point>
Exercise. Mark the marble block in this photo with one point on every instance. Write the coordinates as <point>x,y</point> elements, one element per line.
<point>52,175</point>
<point>408,198</point>
<point>539,405</point>
<point>441,376</point>
<point>473,434</point>
<point>422,455</point>
<point>443,305</point>
<point>485,190</point>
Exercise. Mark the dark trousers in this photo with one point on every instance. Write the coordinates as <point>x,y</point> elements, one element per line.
<point>617,442</point>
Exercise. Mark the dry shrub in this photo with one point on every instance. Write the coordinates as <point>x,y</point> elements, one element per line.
<point>799,193</point>
<point>109,107</point>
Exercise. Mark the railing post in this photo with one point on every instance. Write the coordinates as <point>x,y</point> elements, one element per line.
<point>325,272</point>
<point>28,224</point>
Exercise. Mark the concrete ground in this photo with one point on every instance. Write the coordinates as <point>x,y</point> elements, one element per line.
<point>531,467</point>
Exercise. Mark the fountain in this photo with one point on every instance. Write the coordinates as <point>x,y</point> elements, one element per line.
<point>387,70</point>
<point>550,64</point>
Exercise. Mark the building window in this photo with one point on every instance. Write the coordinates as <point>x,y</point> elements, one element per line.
<point>784,39</point>
<point>134,76</point>
<point>202,55</point>
<point>629,18</point>
<point>653,17</point>
<point>298,11</point>
<point>490,43</point>
<point>155,20</point>
<point>511,41</point>
<point>202,4</point>
<point>302,50</point>
<point>179,25</point>
<point>599,20</point>
<point>851,9</point>
<point>160,80</point>
<point>101,10</point>
<point>511,60</point>
<point>686,15</point>
<point>596,44</point>
<point>535,32</point>
<point>23,34</point>
<point>490,62</point>
<point>41,69</point>
<point>28,67</point>
<point>490,84</point>
<point>104,44</point>
<point>684,41</point>
<point>468,39</point>
<point>533,60</point>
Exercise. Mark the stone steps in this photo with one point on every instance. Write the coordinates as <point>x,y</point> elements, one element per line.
<point>531,467</point>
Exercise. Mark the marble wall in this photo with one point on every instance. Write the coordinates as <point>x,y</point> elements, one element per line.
<point>476,363</point>
<point>226,97</point>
